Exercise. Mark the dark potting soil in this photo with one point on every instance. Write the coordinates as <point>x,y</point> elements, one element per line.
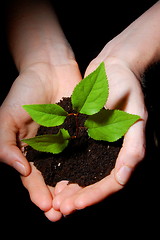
<point>84,161</point>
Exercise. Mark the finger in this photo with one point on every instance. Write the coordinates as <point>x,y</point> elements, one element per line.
<point>12,155</point>
<point>67,192</point>
<point>39,193</point>
<point>53,215</point>
<point>132,152</point>
<point>130,155</point>
<point>9,152</point>
<point>90,195</point>
<point>60,186</point>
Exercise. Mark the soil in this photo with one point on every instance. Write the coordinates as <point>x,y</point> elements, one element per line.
<point>84,161</point>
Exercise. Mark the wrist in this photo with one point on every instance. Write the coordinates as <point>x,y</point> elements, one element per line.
<point>35,35</point>
<point>138,56</point>
<point>138,45</point>
<point>128,55</point>
<point>132,54</point>
<point>52,54</point>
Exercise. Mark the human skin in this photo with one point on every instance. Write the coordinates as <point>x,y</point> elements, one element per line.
<point>48,71</point>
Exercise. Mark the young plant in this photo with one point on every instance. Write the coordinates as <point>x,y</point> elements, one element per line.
<point>88,97</point>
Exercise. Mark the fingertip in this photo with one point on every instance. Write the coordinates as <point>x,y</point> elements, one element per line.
<point>60,186</point>
<point>56,203</point>
<point>53,215</point>
<point>40,197</point>
<point>43,202</point>
<point>67,207</point>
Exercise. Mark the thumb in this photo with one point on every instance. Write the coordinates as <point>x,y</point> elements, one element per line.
<point>12,156</point>
<point>132,152</point>
<point>9,152</point>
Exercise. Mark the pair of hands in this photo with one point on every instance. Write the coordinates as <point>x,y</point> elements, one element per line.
<point>47,83</point>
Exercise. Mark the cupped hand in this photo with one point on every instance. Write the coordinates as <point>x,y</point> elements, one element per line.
<point>125,93</point>
<point>39,83</point>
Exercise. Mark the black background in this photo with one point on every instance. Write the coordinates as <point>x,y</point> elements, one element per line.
<point>89,26</point>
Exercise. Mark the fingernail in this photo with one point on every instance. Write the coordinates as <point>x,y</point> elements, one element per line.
<point>123,174</point>
<point>19,167</point>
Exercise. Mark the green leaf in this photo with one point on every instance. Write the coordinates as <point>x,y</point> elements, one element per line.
<point>91,94</point>
<point>109,125</point>
<point>48,115</point>
<point>50,143</point>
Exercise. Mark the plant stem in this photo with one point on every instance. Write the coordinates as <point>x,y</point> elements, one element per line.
<point>77,124</point>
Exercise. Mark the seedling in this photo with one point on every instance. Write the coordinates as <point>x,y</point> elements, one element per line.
<point>88,97</point>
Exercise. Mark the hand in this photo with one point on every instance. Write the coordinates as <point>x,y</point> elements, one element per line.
<point>39,83</point>
<point>44,83</point>
<point>125,94</point>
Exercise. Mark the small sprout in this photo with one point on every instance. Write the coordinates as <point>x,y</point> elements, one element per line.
<point>88,97</point>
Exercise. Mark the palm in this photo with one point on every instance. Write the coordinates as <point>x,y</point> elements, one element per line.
<point>38,90</point>
<point>40,83</point>
<point>71,197</point>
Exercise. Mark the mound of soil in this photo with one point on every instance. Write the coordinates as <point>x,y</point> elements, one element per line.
<point>84,161</point>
